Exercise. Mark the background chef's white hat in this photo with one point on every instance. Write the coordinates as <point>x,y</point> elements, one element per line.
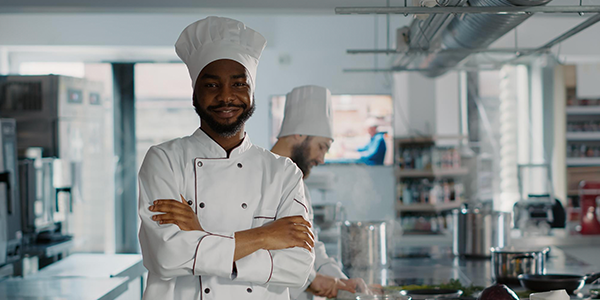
<point>308,112</point>
<point>214,38</point>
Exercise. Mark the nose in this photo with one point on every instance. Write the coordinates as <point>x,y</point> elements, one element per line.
<point>225,94</point>
<point>321,159</point>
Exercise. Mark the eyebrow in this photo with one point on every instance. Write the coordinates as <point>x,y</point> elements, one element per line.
<point>211,76</point>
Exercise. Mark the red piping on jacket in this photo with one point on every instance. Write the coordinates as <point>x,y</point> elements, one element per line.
<point>301,204</point>
<point>270,275</point>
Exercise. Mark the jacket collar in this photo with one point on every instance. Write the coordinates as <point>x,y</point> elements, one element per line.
<point>214,150</point>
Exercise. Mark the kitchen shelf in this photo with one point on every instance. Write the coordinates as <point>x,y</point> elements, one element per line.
<point>428,207</point>
<point>583,136</point>
<point>432,173</point>
<point>583,110</point>
<point>583,161</point>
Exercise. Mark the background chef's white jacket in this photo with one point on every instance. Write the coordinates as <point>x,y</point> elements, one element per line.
<point>323,263</point>
<point>245,190</point>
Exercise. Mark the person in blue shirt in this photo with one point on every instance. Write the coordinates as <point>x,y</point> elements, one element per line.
<point>374,152</point>
<point>371,154</point>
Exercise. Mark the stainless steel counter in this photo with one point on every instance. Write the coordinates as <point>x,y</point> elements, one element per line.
<point>558,237</point>
<point>81,276</point>
<point>63,288</point>
<point>435,265</point>
<point>93,265</point>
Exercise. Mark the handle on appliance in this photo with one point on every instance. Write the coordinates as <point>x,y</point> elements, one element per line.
<point>523,256</point>
<point>5,177</point>
<point>590,278</point>
<point>64,190</point>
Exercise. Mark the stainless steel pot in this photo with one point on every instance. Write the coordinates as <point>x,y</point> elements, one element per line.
<point>509,263</point>
<point>477,230</point>
<point>367,244</point>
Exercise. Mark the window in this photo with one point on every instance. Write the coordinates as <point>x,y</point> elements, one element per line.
<point>357,119</point>
<point>163,105</point>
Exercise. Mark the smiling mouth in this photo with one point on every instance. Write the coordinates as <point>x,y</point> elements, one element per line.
<point>226,112</point>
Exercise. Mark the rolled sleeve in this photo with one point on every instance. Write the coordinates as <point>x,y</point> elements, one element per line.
<point>214,256</point>
<point>296,292</point>
<point>256,267</point>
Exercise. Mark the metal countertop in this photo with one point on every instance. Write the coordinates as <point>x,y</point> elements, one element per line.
<point>435,265</point>
<point>63,288</point>
<point>93,265</point>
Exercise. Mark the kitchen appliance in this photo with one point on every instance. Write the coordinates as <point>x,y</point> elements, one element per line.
<point>46,199</point>
<point>589,194</point>
<point>478,229</point>
<point>67,118</point>
<point>367,244</point>
<point>537,211</point>
<point>509,263</point>
<point>550,282</point>
<point>10,212</point>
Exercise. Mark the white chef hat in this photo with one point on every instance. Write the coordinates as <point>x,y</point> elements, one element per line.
<point>308,112</point>
<point>374,122</point>
<point>215,38</point>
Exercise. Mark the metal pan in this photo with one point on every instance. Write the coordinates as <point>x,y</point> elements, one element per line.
<point>549,282</point>
<point>423,294</point>
<point>344,295</point>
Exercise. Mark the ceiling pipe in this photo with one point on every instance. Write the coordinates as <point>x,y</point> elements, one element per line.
<point>470,31</point>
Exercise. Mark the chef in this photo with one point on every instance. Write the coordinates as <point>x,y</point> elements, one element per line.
<point>220,217</point>
<point>374,152</point>
<point>305,137</point>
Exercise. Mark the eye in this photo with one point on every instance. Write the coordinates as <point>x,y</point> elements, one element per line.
<point>210,85</point>
<point>240,84</point>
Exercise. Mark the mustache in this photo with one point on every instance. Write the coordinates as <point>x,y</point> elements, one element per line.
<point>225,105</point>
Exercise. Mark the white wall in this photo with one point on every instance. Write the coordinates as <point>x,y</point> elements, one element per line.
<point>301,49</point>
<point>426,106</point>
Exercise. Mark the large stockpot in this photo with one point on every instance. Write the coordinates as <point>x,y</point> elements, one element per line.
<point>367,244</point>
<point>509,263</point>
<point>477,230</point>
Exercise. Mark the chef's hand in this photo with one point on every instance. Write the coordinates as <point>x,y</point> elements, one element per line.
<point>358,284</point>
<point>288,232</point>
<point>175,212</point>
<point>327,286</point>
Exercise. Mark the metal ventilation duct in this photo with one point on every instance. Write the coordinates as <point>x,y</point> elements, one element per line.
<point>470,31</point>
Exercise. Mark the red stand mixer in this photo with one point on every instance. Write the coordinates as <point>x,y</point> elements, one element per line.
<point>589,195</point>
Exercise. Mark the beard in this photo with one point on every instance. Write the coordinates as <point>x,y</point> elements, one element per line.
<point>225,130</point>
<point>301,156</point>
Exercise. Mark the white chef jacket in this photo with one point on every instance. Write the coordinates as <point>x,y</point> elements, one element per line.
<point>244,190</point>
<point>323,263</point>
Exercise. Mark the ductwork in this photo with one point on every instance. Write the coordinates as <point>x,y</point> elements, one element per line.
<point>471,31</point>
